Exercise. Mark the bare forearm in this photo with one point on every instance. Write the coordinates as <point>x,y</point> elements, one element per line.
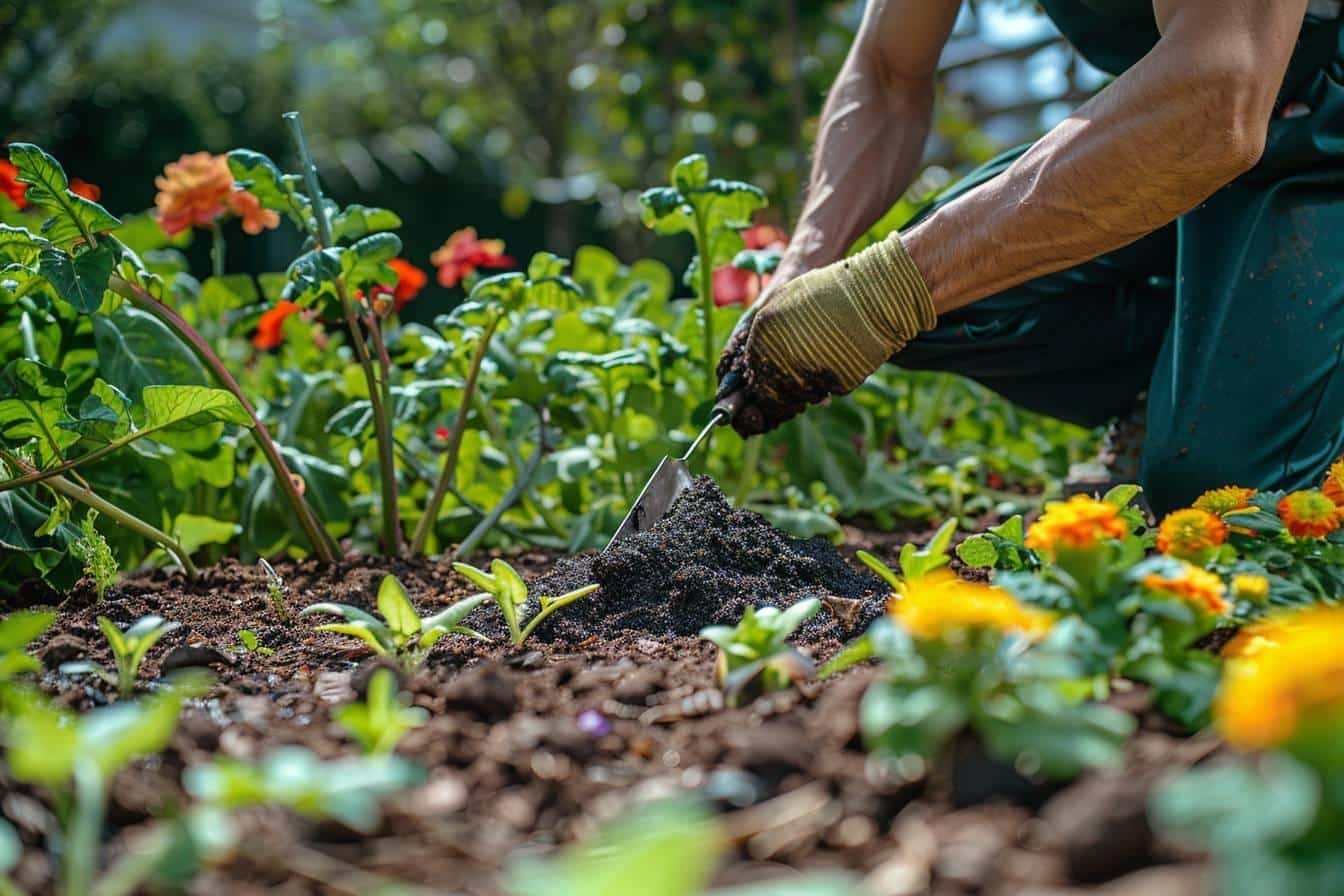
<point>1183,122</point>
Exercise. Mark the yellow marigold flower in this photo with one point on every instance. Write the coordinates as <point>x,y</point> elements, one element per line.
<point>1333,487</point>
<point>1078,523</point>
<point>1250,587</point>
<point>1189,533</point>
<point>940,602</point>
<point>1193,585</point>
<point>1280,673</point>
<point>1310,514</point>
<point>1225,500</point>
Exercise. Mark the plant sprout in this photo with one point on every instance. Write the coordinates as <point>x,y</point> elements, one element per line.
<point>507,589</point>
<point>128,649</point>
<point>251,644</point>
<point>277,589</point>
<point>401,633</point>
<point>379,723</point>
<point>92,548</point>
<point>753,654</point>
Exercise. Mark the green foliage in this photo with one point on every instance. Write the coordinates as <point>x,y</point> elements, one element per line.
<point>379,723</point>
<point>506,588</point>
<point>17,630</point>
<point>753,656</point>
<point>99,563</point>
<point>999,547</point>
<point>915,561</point>
<point>402,633</point>
<point>250,644</point>
<point>128,650</point>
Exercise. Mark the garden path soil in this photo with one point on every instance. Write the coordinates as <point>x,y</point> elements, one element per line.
<point>511,770</point>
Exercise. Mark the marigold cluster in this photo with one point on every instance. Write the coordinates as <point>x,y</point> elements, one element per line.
<point>1079,523</point>
<point>462,253</point>
<point>1333,487</point>
<point>1310,514</point>
<point>941,602</point>
<point>1191,533</point>
<point>197,190</point>
<point>1197,587</point>
<point>1225,500</point>
<point>1280,673</point>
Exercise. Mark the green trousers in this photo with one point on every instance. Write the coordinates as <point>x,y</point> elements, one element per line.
<point>1232,319</point>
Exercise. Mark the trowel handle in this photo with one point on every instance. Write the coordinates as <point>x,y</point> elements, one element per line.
<point>727,407</point>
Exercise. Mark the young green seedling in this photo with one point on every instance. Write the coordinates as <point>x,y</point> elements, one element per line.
<point>277,589</point>
<point>506,588</point>
<point>753,655</point>
<point>248,638</point>
<point>128,649</point>
<point>379,723</point>
<point>92,548</point>
<point>401,633</point>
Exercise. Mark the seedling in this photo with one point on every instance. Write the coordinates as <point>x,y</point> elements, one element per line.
<point>277,589</point>
<point>506,588</point>
<point>753,655</point>
<point>248,638</point>
<point>915,562</point>
<point>401,633</point>
<point>379,723</point>
<point>92,548</point>
<point>17,631</point>
<point>128,649</point>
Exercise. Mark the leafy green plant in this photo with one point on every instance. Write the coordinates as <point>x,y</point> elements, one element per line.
<point>128,650</point>
<point>402,633</point>
<point>92,548</point>
<point>999,547</point>
<point>754,656</point>
<point>379,722</point>
<point>276,589</point>
<point>915,562</point>
<point>17,631</point>
<point>506,588</point>
<point>248,639</point>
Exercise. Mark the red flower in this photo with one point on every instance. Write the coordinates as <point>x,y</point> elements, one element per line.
<point>83,188</point>
<point>270,328</point>
<point>410,280</point>
<point>764,236</point>
<point>9,184</point>
<point>735,286</point>
<point>441,433</point>
<point>463,253</point>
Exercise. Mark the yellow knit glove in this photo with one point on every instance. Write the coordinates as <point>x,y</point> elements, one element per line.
<point>824,334</point>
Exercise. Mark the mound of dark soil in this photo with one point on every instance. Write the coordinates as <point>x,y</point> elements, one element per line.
<point>704,564</point>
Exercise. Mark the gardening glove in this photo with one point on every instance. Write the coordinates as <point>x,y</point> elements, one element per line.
<point>823,334</point>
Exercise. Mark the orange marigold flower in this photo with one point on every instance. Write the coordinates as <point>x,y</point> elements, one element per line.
<point>1191,584</point>
<point>89,191</point>
<point>248,208</point>
<point>10,186</point>
<point>462,253</point>
<point>1079,523</point>
<point>410,280</point>
<point>1190,533</point>
<point>1225,500</point>
<point>1310,514</point>
<point>941,602</point>
<point>1281,672</point>
<point>1333,487</point>
<point>197,190</point>
<point>270,328</point>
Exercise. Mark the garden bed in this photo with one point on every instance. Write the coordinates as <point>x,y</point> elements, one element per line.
<point>533,747</point>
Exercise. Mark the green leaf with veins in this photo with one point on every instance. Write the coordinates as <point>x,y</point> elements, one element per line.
<point>136,350</point>
<point>256,173</point>
<point>357,221</point>
<point>395,605</point>
<point>366,261</point>
<point>81,279</point>
<point>73,215</point>
<point>32,408</point>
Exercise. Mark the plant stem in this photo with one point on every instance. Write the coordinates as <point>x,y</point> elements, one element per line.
<point>216,248</point>
<point>314,187</point>
<point>706,297</point>
<point>551,608</point>
<point>321,542</point>
<point>86,829</point>
<point>447,473</point>
<point>387,470</point>
<point>386,445</point>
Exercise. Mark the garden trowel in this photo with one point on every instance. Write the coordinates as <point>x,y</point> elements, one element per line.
<point>673,476</point>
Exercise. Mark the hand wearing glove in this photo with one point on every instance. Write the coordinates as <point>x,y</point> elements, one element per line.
<point>823,334</point>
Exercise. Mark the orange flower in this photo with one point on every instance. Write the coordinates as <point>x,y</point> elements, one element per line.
<point>10,186</point>
<point>83,188</point>
<point>1333,487</point>
<point>1193,585</point>
<point>462,253</point>
<point>1079,523</point>
<point>1191,533</point>
<point>1310,514</point>
<point>940,602</point>
<point>1280,673</point>
<point>1225,500</point>
<point>270,328</point>
<point>197,190</point>
<point>410,280</point>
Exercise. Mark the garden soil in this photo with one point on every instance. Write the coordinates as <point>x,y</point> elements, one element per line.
<point>513,770</point>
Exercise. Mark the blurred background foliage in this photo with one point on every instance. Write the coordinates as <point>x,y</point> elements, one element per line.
<point>534,121</point>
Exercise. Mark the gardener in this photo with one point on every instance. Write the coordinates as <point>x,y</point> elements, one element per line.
<point>1182,233</point>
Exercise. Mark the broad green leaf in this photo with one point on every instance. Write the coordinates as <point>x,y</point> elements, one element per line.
<point>978,551</point>
<point>32,408</point>
<point>21,516</point>
<point>313,275</point>
<point>395,605</point>
<point>666,210</point>
<point>104,414</point>
<point>362,631</point>
<point>116,639</point>
<point>176,405</point>
<point>690,173</point>
<point>511,586</point>
<point>366,261</point>
<point>194,531</point>
<point>546,264</point>
<point>19,245</point>
<point>82,279</point>
<point>1121,495</point>
<point>49,188</point>
<point>758,261</point>
<point>21,627</point>
<point>356,221</point>
<point>136,350</point>
<point>256,173</point>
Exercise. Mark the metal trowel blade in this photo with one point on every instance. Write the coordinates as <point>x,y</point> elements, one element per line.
<point>664,487</point>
